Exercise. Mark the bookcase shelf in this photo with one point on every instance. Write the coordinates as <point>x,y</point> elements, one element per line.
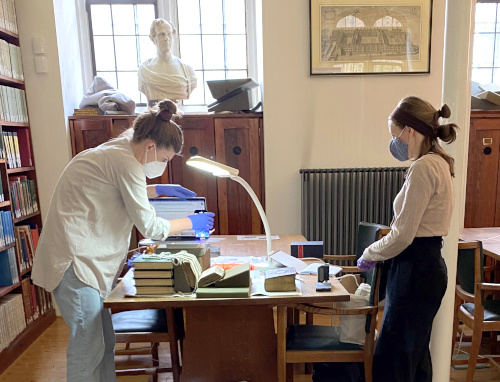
<point>26,271</point>
<point>25,339</point>
<point>5,204</point>
<point>9,36</point>
<point>17,220</point>
<point>7,289</point>
<point>4,80</point>
<point>13,124</point>
<point>20,169</point>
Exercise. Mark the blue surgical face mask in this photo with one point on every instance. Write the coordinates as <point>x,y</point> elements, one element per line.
<point>399,149</point>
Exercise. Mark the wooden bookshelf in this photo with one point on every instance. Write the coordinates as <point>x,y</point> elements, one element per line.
<point>25,339</point>
<point>19,187</point>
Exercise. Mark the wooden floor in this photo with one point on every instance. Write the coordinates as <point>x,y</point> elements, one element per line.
<point>45,361</point>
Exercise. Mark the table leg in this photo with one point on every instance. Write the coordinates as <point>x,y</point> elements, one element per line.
<point>281,329</point>
<point>229,343</point>
<point>173,342</point>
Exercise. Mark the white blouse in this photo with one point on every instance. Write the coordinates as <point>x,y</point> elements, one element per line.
<point>422,208</point>
<point>99,197</point>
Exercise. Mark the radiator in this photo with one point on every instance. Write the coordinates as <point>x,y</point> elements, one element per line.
<point>334,201</point>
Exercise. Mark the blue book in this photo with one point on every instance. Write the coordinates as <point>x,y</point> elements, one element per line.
<point>4,227</point>
<point>5,270</point>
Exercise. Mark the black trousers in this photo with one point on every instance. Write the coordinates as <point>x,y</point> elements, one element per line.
<point>416,281</point>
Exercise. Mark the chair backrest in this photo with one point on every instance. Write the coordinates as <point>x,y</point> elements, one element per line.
<point>466,267</point>
<point>368,233</point>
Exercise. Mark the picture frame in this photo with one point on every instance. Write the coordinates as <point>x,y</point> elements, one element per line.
<point>358,37</point>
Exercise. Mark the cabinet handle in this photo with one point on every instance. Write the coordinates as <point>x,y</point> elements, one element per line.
<point>193,150</point>
<point>237,150</point>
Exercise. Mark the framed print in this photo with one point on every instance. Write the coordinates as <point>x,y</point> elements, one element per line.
<point>370,36</point>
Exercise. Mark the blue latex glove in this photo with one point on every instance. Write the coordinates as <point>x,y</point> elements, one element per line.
<point>202,221</point>
<point>174,190</point>
<point>366,265</point>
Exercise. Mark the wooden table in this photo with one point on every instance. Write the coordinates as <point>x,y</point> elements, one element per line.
<point>229,339</point>
<point>490,237</point>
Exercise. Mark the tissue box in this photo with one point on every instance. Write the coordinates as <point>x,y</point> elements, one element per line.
<point>301,249</point>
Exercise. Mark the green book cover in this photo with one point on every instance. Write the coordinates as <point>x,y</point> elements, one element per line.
<point>147,261</point>
<point>211,292</point>
<point>236,277</point>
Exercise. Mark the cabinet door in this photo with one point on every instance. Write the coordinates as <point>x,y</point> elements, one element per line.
<point>482,204</point>
<point>238,144</point>
<point>87,133</point>
<point>198,140</point>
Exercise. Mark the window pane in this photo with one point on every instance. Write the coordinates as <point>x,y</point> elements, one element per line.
<point>188,12</point>
<point>197,95</point>
<point>191,51</point>
<point>104,53</point>
<point>126,52</point>
<point>234,16</point>
<point>483,50</point>
<point>211,16</point>
<point>496,76</point>
<point>210,76</point>
<point>109,76</point>
<point>483,76</point>
<point>213,52</point>
<point>127,84</point>
<point>101,19</point>
<point>145,16</point>
<point>233,74</point>
<point>236,52</point>
<point>147,48</point>
<point>485,17</point>
<point>123,19</point>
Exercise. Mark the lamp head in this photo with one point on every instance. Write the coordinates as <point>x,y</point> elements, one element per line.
<point>217,169</point>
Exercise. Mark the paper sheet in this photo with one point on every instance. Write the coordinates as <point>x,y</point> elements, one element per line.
<point>256,237</point>
<point>312,269</point>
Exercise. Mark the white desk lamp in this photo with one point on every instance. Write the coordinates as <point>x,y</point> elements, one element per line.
<point>223,171</point>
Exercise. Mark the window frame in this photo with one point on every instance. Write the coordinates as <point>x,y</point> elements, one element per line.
<point>88,4</point>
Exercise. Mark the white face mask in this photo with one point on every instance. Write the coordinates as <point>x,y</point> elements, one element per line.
<point>155,168</point>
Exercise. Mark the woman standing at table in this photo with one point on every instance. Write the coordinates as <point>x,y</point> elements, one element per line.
<point>416,272</point>
<point>100,196</point>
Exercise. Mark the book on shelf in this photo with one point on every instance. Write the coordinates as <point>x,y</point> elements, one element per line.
<point>144,290</point>
<point>13,104</point>
<point>8,268</point>
<point>154,282</point>
<point>146,261</point>
<point>16,149</point>
<point>146,274</point>
<point>12,318</point>
<point>23,139</point>
<point>86,111</point>
<point>280,279</point>
<point>26,291</point>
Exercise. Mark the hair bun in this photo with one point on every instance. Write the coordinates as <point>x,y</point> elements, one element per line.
<point>166,109</point>
<point>445,111</point>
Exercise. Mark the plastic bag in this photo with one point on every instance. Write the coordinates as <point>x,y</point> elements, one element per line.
<point>352,327</point>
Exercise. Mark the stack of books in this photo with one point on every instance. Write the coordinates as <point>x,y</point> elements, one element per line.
<point>153,276</point>
<point>15,147</point>
<point>87,111</point>
<point>13,105</point>
<point>8,18</point>
<point>10,61</point>
<point>12,319</point>
<point>23,196</point>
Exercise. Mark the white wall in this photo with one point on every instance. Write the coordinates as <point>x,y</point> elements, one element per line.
<point>51,143</point>
<point>326,121</point>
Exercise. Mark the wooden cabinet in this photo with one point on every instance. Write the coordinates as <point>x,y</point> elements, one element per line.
<point>232,139</point>
<point>482,203</point>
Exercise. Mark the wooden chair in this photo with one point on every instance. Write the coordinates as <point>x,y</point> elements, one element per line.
<point>151,326</point>
<point>471,306</point>
<point>367,234</point>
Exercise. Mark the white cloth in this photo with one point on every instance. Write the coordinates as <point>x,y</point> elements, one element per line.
<point>158,86</point>
<point>104,96</point>
<point>100,195</point>
<point>422,208</point>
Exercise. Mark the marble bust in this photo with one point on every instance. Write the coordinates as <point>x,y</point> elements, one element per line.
<point>165,76</point>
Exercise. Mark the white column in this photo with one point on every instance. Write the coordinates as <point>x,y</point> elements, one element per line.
<point>459,31</point>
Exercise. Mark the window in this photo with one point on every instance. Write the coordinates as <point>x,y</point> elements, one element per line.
<point>213,41</point>
<point>486,53</point>
<point>119,36</point>
<point>215,37</point>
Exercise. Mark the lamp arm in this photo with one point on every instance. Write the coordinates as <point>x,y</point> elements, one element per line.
<point>256,201</point>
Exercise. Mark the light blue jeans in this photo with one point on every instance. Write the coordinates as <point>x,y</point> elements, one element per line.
<point>90,353</point>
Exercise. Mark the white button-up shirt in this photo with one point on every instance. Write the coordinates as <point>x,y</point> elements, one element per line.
<point>99,197</point>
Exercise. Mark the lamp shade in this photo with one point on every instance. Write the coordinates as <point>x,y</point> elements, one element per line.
<point>215,168</point>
